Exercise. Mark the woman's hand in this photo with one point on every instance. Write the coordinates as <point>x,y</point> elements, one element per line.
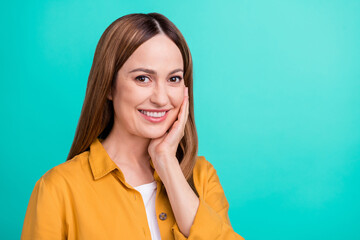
<point>163,149</point>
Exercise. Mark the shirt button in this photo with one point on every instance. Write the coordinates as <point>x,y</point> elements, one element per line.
<point>162,216</point>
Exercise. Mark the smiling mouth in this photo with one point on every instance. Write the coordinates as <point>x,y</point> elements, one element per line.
<point>154,114</point>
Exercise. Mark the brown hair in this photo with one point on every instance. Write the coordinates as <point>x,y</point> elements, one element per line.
<point>115,46</point>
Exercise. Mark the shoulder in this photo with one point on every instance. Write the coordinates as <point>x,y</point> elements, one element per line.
<point>203,172</point>
<point>207,183</point>
<point>202,165</point>
<point>61,174</point>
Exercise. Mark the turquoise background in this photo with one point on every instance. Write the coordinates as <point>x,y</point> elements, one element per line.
<point>277,104</point>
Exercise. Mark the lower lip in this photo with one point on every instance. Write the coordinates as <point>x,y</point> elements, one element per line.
<point>154,119</point>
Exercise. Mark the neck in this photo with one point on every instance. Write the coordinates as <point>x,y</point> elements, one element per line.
<point>125,148</point>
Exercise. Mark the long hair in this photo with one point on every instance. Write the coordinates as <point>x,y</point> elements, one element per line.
<point>120,39</point>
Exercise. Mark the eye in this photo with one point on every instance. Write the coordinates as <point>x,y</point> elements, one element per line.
<point>179,78</point>
<point>141,79</point>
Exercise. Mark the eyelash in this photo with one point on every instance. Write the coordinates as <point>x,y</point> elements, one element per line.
<point>137,78</point>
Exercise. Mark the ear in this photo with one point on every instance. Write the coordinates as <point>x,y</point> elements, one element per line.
<point>109,96</point>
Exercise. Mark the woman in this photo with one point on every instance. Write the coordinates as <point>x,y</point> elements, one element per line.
<point>133,170</point>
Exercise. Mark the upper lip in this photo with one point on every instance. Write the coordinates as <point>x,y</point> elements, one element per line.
<point>155,110</point>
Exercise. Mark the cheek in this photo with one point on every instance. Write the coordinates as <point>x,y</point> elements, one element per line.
<point>177,97</point>
<point>129,96</point>
<point>176,101</point>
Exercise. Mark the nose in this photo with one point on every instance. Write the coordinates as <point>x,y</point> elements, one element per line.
<point>159,95</point>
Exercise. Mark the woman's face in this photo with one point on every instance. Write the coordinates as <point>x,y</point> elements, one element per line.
<point>158,86</point>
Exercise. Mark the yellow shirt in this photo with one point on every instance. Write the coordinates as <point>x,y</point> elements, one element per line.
<point>88,198</point>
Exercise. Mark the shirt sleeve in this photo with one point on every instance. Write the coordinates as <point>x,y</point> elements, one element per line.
<point>211,219</point>
<point>43,218</point>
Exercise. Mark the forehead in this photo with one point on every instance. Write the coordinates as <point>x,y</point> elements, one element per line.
<point>159,53</point>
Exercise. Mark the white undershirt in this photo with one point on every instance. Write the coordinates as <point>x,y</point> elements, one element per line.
<point>148,193</point>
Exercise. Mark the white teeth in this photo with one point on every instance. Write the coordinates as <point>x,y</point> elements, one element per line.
<point>153,114</point>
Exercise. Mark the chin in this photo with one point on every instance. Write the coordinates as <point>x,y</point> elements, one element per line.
<point>153,133</point>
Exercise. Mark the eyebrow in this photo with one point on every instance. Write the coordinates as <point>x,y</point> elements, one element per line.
<point>154,72</point>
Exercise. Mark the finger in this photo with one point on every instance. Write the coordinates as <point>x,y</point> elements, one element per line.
<point>176,131</point>
<point>185,112</point>
<point>183,115</point>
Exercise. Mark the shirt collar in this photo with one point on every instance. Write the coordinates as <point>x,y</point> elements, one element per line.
<point>101,164</point>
